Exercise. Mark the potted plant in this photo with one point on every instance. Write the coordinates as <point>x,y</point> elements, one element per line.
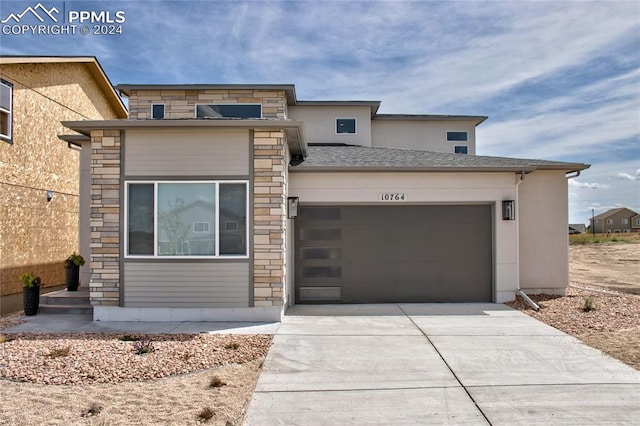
<point>73,264</point>
<point>30,293</point>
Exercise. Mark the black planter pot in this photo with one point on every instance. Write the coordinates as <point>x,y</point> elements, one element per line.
<point>73,277</point>
<point>31,299</point>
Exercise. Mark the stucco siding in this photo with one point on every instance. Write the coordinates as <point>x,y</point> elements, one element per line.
<point>422,189</point>
<point>421,135</point>
<point>186,285</point>
<point>186,153</point>
<point>543,217</point>
<point>320,123</point>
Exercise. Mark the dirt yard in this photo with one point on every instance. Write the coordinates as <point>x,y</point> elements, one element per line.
<point>613,326</point>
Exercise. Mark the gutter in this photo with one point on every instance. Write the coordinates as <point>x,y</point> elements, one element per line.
<point>519,290</point>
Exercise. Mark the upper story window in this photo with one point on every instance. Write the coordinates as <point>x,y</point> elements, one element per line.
<point>638,221</point>
<point>6,110</point>
<point>229,111</point>
<point>457,136</point>
<point>157,111</point>
<point>346,126</point>
<point>461,150</point>
<point>609,221</point>
<point>625,221</point>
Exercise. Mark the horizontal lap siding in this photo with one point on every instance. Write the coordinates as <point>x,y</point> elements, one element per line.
<point>186,285</point>
<point>186,153</point>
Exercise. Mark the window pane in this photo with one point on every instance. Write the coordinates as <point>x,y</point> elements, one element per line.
<point>345,125</point>
<point>140,220</point>
<point>5,97</point>
<point>460,149</point>
<point>229,111</point>
<point>180,206</point>
<point>5,124</point>
<point>157,111</point>
<point>457,136</point>
<point>233,218</point>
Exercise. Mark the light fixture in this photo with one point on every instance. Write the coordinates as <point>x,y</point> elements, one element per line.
<point>49,195</point>
<point>508,210</point>
<point>292,207</point>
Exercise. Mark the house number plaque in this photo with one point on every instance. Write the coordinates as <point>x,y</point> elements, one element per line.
<point>393,196</point>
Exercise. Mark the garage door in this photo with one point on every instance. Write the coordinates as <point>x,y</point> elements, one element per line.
<point>386,254</point>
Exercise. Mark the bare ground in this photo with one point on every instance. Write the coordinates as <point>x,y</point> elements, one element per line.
<point>614,325</point>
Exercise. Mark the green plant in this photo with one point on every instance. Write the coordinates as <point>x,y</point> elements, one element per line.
<point>127,338</point>
<point>589,304</point>
<point>74,260</point>
<point>232,345</point>
<point>217,382</point>
<point>29,280</point>
<point>93,410</point>
<point>59,352</point>
<point>205,414</point>
<point>143,346</point>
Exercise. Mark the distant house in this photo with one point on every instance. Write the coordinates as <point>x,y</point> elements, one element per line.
<point>577,228</point>
<point>615,221</point>
<point>635,223</point>
<point>39,173</point>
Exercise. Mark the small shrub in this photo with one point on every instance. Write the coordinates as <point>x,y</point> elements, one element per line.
<point>186,357</point>
<point>127,338</point>
<point>589,304</point>
<point>59,352</point>
<point>205,414</point>
<point>143,346</point>
<point>217,382</point>
<point>232,345</point>
<point>93,410</point>
<point>4,338</point>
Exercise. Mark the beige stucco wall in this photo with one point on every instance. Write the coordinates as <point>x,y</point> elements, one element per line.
<point>36,235</point>
<point>421,135</point>
<point>181,103</point>
<point>425,188</point>
<point>543,218</point>
<point>320,123</point>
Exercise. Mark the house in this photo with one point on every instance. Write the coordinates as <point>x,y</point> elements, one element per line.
<point>635,223</point>
<point>618,220</point>
<point>39,173</point>
<point>577,228</point>
<point>324,202</point>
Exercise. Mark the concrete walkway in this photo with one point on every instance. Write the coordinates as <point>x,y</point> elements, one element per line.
<point>436,364</point>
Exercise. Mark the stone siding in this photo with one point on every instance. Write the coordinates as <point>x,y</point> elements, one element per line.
<point>105,217</point>
<point>181,103</point>
<point>269,217</point>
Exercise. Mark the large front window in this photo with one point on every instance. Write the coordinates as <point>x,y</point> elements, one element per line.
<point>186,219</point>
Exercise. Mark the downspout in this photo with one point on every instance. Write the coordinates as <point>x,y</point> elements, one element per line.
<point>519,291</point>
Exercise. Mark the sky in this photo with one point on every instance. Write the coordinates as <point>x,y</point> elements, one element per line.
<point>559,80</point>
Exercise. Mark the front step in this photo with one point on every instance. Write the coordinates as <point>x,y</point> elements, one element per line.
<point>66,302</point>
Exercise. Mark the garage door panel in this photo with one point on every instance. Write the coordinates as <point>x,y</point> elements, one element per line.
<point>383,254</point>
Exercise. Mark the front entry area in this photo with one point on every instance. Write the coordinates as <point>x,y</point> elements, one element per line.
<point>394,254</point>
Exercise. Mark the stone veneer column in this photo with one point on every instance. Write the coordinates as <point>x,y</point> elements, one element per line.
<point>269,217</point>
<point>105,218</point>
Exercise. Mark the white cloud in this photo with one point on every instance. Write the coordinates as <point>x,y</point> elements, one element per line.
<point>627,176</point>
<point>588,185</point>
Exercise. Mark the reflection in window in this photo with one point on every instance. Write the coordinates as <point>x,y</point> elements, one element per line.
<point>233,218</point>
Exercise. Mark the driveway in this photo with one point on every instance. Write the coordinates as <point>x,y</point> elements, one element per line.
<point>416,364</point>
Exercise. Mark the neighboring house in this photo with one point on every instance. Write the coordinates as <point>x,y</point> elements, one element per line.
<point>39,173</point>
<point>577,228</point>
<point>635,223</point>
<point>616,221</point>
<point>326,202</point>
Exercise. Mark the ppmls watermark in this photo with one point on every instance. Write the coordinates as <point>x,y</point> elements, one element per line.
<point>57,20</point>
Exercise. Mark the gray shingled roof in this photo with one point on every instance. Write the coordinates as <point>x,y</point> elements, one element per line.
<point>361,158</point>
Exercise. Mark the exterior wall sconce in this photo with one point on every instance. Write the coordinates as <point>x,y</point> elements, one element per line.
<point>292,207</point>
<point>49,195</point>
<point>508,210</point>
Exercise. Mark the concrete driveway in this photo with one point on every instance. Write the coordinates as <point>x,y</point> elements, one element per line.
<point>422,364</point>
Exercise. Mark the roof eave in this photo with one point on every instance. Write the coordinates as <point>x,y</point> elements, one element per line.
<point>355,169</point>
<point>289,89</point>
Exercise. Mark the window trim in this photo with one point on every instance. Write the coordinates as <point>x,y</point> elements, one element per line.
<point>155,255</point>
<point>164,110</point>
<point>355,125</point>
<point>457,131</point>
<point>8,137</point>
<point>195,109</point>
